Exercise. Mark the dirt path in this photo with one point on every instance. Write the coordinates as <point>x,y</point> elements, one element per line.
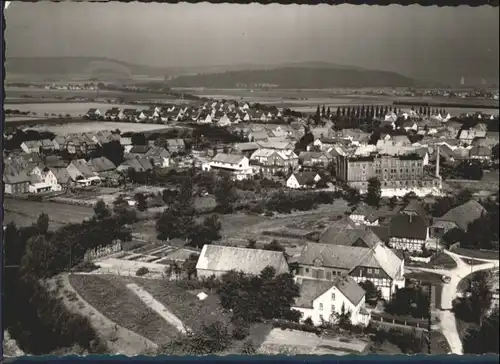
<point>119,339</point>
<point>156,306</point>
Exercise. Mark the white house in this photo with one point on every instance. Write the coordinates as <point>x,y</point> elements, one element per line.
<point>46,177</point>
<point>31,146</point>
<point>237,165</point>
<point>364,215</point>
<point>224,120</point>
<point>323,301</point>
<point>302,180</point>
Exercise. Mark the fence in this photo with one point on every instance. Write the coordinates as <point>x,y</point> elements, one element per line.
<point>389,320</point>
<point>102,251</point>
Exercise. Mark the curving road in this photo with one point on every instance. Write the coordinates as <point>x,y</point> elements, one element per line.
<point>450,292</point>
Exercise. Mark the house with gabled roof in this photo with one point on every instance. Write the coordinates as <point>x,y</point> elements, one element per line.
<point>93,114</point>
<point>15,183</point>
<point>139,164</point>
<point>235,164</point>
<point>409,229</point>
<point>81,173</point>
<point>176,145</point>
<point>364,214</point>
<point>311,159</point>
<point>159,156</point>
<point>378,264</point>
<point>481,153</point>
<point>216,260</point>
<point>322,301</point>
<point>303,180</point>
<point>31,146</point>
<point>101,164</point>
<point>458,217</point>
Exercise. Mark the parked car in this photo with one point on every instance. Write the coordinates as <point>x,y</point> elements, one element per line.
<point>445,279</point>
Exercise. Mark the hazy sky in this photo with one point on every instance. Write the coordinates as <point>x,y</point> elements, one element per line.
<point>412,40</point>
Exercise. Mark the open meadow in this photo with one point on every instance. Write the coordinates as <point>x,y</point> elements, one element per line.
<point>95,126</point>
<point>23,212</point>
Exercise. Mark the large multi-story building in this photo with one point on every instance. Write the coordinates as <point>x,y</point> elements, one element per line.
<point>403,172</point>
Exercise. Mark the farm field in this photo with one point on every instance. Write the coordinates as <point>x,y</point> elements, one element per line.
<point>63,108</point>
<point>111,297</point>
<point>95,126</point>
<point>24,212</point>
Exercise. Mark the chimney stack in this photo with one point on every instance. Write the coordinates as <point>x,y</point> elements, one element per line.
<point>438,156</point>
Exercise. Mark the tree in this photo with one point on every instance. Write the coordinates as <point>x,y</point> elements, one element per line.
<point>42,223</point>
<point>328,112</point>
<point>141,201</point>
<point>470,170</point>
<point>374,192</point>
<point>274,245</point>
<point>189,265</point>
<point>494,152</point>
<point>409,301</point>
<point>139,139</point>
<point>252,243</point>
<point>452,236</point>
<point>483,340</point>
<point>206,233</point>
<point>352,195</point>
<point>113,151</point>
<point>343,319</point>
<point>317,117</point>
<point>225,193</point>
<point>101,211</point>
<point>372,293</point>
<point>323,111</point>
<point>248,348</point>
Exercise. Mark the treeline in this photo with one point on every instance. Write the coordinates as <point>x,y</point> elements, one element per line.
<point>36,319</point>
<point>295,78</point>
<point>446,104</point>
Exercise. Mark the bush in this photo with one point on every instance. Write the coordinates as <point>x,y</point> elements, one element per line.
<point>241,330</point>
<point>142,271</point>
<point>296,326</point>
<point>85,267</point>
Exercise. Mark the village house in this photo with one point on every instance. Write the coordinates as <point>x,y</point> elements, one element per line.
<point>81,173</point>
<point>467,136</point>
<point>31,146</point>
<point>139,164</point>
<point>409,229</point>
<point>176,145</point>
<point>378,264</point>
<point>60,142</point>
<point>279,145</point>
<point>458,217</point>
<point>15,183</point>
<point>62,176</point>
<point>113,114</point>
<point>313,159</point>
<point>138,151</point>
<point>101,165</point>
<point>364,214</point>
<point>159,156</point>
<point>480,153</point>
<point>93,114</point>
<point>322,301</point>
<point>46,176</point>
<point>246,149</point>
<point>237,165</point>
<point>302,180</point>
<point>346,232</point>
<point>46,145</point>
<point>215,260</point>
<point>271,161</point>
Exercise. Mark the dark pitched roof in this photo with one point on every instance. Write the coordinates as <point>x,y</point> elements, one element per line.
<point>408,226</point>
<point>139,149</point>
<point>334,228</point>
<point>101,164</point>
<point>382,232</point>
<point>464,214</point>
<point>303,178</point>
<point>365,210</point>
<point>227,158</point>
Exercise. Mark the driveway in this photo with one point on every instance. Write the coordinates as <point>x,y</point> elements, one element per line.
<point>450,292</point>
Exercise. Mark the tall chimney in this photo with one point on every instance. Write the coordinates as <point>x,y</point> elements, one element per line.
<point>438,156</point>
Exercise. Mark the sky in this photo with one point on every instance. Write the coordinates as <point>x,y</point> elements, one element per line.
<point>415,41</point>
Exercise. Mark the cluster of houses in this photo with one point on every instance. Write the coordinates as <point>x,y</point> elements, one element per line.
<point>368,245</point>
<point>217,113</point>
<point>32,171</point>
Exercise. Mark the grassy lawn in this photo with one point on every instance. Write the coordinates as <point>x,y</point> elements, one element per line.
<point>480,254</point>
<point>182,303</point>
<point>110,296</point>
<point>470,261</point>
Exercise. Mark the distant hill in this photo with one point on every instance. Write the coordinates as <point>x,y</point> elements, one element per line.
<point>90,67</point>
<point>320,76</point>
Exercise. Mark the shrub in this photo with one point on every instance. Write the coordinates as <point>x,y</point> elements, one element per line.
<point>241,330</point>
<point>142,271</point>
<point>85,267</point>
<point>296,326</point>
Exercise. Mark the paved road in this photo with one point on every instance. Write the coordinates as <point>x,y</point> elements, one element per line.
<point>450,292</point>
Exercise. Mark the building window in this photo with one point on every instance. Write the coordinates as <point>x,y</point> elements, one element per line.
<point>377,271</point>
<point>333,308</point>
<point>369,271</point>
<point>333,298</point>
<point>321,307</point>
<point>329,276</point>
<point>307,270</point>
